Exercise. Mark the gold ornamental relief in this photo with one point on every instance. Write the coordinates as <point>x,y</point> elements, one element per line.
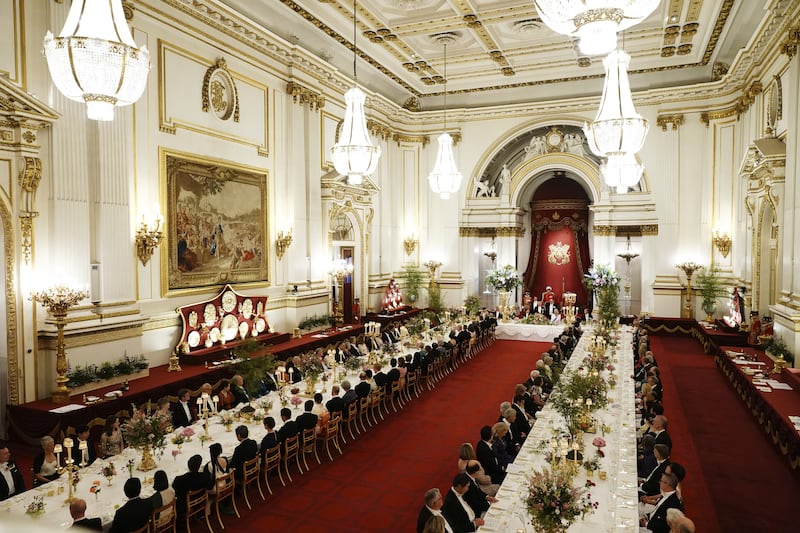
<point>220,95</point>
<point>558,254</point>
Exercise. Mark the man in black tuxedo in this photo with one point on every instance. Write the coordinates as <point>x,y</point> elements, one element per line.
<point>90,453</point>
<point>378,376</point>
<point>11,481</point>
<point>462,336</point>
<point>270,440</point>
<point>363,388</point>
<point>289,427</point>
<point>432,507</point>
<point>476,498</point>
<point>656,521</point>
<point>136,511</point>
<point>456,510</point>
<point>487,458</point>
<point>651,484</point>
<point>307,420</point>
<point>658,428</point>
<point>336,403</point>
<point>183,413</point>
<point>392,375</point>
<point>77,510</point>
<point>349,396</point>
<point>245,451</point>
<point>239,393</point>
<point>192,480</point>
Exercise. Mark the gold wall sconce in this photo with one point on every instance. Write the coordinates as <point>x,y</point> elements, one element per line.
<point>410,244</point>
<point>432,265</point>
<point>283,242</point>
<point>722,241</point>
<point>149,236</point>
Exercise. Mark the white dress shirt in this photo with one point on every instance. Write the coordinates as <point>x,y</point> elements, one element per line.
<point>465,505</point>
<point>5,469</point>
<point>438,512</point>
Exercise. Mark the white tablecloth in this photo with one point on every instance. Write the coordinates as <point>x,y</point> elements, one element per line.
<point>527,332</point>
<point>617,495</point>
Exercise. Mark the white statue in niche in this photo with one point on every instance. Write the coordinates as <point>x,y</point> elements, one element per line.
<point>537,146</point>
<point>505,180</point>
<point>484,190</point>
<point>573,143</point>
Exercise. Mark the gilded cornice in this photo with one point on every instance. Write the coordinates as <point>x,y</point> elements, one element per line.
<point>649,229</point>
<point>405,138</point>
<point>674,119</point>
<point>790,42</point>
<point>304,95</point>
<point>742,104</point>
<point>379,130</point>
<point>510,231</point>
<point>605,231</point>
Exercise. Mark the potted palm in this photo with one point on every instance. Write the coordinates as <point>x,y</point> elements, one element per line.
<point>412,282</point>
<point>711,289</point>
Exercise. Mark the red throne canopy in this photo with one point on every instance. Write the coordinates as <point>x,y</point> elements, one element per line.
<point>560,242</point>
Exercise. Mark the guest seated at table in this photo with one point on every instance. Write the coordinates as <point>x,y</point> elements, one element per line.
<point>658,428</point>
<point>336,403</point>
<point>111,440</point>
<point>89,454</point>
<point>515,436</point>
<point>45,464</point>
<point>240,395</point>
<point>650,484</point>
<point>11,480</point>
<point>456,510</point>
<point>307,420</point>
<point>475,497</point>
<point>214,469</point>
<point>679,522</point>
<point>518,404</point>
<point>163,495</point>
<point>656,521</point>
<point>488,459</point>
<point>270,440</point>
<point>163,407</point>
<point>500,445</point>
<point>294,373</point>
<point>135,513</point>
<point>646,459</point>
<point>210,406</point>
<point>191,480</point>
<point>77,510</point>
<point>289,427</point>
<point>246,450</point>
<point>476,472</point>
<point>378,376</point>
<point>183,413</point>
<point>349,396</point>
<point>432,509</point>
<point>226,397</point>
<point>363,388</point>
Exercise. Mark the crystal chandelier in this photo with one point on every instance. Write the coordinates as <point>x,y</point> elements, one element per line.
<point>594,22</point>
<point>95,60</point>
<point>354,156</point>
<point>445,177</point>
<point>618,131</point>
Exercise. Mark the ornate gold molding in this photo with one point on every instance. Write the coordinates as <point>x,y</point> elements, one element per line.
<point>29,178</point>
<point>649,230</point>
<point>790,42</point>
<point>741,105</point>
<point>304,95</point>
<point>378,129</point>
<point>216,83</point>
<point>604,231</point>
<point>405,138</point>
<point>508,231</point>
<point>11,306</point>
<point>663,120</point>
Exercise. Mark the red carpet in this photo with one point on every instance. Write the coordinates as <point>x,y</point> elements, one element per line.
<point>735,481</point>
<point>379,482</point>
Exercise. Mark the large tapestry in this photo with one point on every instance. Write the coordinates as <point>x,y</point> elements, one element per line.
<point>217,222</point>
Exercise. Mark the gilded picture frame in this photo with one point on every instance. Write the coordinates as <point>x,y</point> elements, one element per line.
<point>217,223</point>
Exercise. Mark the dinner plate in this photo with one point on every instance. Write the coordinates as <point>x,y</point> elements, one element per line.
<point>214,335</point>
<point>244,327</point>
<point>261,325</point>
<point>229,327</point>
<point>193,339</point>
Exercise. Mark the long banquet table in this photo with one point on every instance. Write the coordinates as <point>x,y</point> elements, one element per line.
<point>527,332</point>
<point>617,494</point>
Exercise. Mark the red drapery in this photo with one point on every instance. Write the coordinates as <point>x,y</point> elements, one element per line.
<point>560,244</point>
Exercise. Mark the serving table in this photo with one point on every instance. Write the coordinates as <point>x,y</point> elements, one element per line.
<point>617,493</point>
<point>527,332</point>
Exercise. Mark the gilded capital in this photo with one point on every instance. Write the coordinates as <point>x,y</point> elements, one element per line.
<point>664,120</point>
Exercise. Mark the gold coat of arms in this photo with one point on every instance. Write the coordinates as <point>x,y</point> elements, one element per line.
<point>559,253</point>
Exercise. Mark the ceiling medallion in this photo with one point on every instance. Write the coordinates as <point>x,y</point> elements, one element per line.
<point>527,25</point>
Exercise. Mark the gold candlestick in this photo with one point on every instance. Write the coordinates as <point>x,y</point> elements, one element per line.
<point>58,299</point>
<point>688,268</point>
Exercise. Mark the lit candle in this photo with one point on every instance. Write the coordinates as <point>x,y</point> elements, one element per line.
<point>588,402</point>
<point>57,449</point>
<point>68,443</point>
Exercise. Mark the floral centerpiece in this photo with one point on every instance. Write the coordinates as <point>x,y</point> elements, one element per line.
<point>95,488</point>
<point>554,503</point>
<point>312,367</point>
<point>296,401</point>
<point>503,279</point>
<point>129,465</point>
<point>227,420</point>
<point>178,440</point>
<point>109,471</point>
<point>147,433</point>
<point>36,507</point>
<point>605,283</point>
<point>187,433</point>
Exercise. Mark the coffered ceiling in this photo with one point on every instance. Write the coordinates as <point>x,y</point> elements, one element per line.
<point>499,51</point>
